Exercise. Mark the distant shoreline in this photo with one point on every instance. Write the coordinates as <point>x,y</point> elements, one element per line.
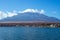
<point>30,23</point>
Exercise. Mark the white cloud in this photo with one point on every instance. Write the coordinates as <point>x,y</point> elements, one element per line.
<point>32,10</point>
<point>7,14</point>
<point>42,11</point>
<point>10,14</point>
<point>2,15</point>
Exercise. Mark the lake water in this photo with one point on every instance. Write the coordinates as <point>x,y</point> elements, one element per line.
<point>29,33</point>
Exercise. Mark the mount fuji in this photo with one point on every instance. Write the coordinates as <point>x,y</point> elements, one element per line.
<point>31,15</point>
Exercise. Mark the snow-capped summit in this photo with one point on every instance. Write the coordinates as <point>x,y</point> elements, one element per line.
<point>33,11</point>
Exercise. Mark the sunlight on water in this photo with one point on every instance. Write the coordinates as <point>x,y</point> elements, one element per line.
<point>29,33</point>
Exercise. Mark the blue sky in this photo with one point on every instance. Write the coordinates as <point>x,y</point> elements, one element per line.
<point>51,7</point>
